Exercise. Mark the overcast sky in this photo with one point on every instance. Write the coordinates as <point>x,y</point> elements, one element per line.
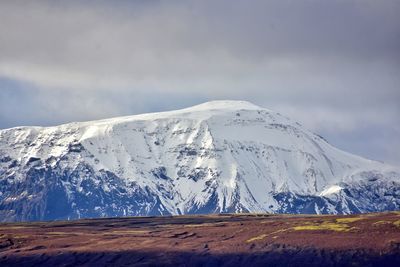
<point>332,65</point>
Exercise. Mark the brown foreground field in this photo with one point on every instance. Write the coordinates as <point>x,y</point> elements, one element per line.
<point>209,240</point>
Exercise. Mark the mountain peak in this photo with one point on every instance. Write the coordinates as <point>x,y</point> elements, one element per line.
<point>225,104</point>
<point>200,111</point>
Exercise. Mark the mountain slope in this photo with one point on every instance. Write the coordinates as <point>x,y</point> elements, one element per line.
<point>220,156</point>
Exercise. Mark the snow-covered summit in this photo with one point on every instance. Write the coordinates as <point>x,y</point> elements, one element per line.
<point>219,156</point>
<point>224,105</point>
<point>201,111</point>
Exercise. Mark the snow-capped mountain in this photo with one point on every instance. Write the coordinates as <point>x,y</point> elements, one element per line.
<point>220,156</point>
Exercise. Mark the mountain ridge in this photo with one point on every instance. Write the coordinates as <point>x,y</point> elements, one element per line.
<point>219,156</point>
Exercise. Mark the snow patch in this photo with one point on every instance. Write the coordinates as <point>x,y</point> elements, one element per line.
<point>331,190</point>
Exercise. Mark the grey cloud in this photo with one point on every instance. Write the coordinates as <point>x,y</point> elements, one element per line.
<point>176,42</point>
